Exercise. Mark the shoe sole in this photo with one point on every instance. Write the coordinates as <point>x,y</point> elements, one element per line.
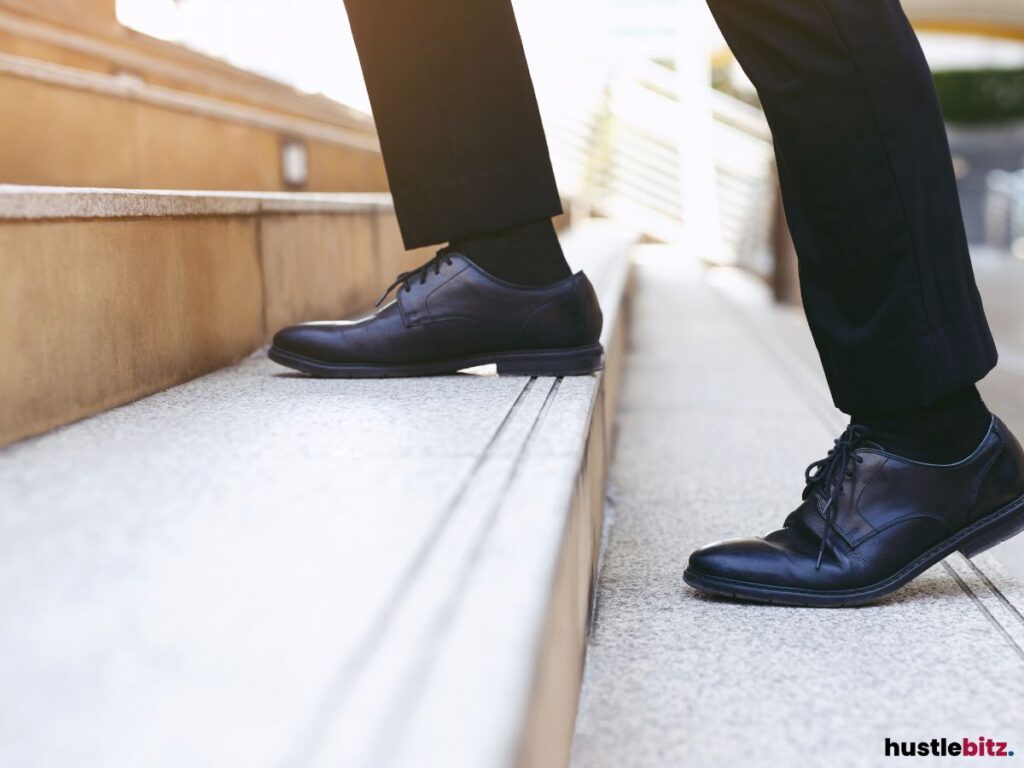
<point>575,361</point>
<point>983,534</point>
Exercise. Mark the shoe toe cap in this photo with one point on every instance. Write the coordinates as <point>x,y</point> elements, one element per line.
<point>773,560</point>
<point>734,558</point>
<point>317,341</point>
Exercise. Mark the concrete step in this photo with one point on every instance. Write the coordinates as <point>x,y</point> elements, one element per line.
<point>110,295</point>
<point>147,136</point>
<point>256,568</point>
<point>722,410</point>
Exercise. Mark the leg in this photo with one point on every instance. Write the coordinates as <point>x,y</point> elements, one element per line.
<point>468,164</point>
<point>457,117</point>
<point>870,195</point>
<point>891,300</point>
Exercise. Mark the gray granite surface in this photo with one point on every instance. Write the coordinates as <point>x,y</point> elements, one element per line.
<point>27,202</point>
<point>718,421</point>
<point>261,569</point>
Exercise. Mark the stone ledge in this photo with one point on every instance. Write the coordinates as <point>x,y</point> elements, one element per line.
<point>18,202</point>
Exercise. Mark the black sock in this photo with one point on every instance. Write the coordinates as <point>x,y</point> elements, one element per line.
<point>942,433</point>
<point>529,254</point>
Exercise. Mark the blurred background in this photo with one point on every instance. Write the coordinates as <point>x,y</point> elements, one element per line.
<point>644,106</point>
<point>641,85</point>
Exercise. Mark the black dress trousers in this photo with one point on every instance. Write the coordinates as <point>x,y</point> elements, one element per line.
<point>870,196</point>
<point>457,117</point>
<point>865,165</point>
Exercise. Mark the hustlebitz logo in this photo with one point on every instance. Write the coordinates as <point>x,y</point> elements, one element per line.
<point>966,747</point>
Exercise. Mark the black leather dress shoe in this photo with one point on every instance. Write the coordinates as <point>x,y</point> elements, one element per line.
<point>870,522</point>
<point>448,315</point>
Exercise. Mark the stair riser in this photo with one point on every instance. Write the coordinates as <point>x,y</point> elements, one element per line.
<point>551,717</point>
<point>99,312</point>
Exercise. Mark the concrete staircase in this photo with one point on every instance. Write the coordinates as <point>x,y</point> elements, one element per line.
<point>206,559</point>
<point>255,568</point>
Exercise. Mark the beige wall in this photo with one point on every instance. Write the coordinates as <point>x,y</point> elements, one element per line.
<point>96,14</point>
<point>95,313</point>
<point>65,136</point>
<point>18,45</point>
<point>315,264</point>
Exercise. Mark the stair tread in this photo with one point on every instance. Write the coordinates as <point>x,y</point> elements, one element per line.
<point>260,568</point>
<point>723,408</point>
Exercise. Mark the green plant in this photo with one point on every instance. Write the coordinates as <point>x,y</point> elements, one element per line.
<point>981,96</point>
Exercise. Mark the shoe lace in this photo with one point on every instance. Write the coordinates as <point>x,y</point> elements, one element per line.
<point>827,477</point>
<point>443,256</point>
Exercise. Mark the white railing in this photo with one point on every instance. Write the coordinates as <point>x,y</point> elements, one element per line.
<point>621,149</point>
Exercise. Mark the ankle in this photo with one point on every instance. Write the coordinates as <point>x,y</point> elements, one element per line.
<point>941,433</point>
<point>527,254</point>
